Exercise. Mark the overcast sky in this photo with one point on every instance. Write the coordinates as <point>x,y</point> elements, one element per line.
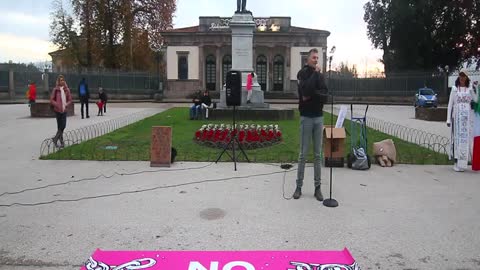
<point>24,25</point>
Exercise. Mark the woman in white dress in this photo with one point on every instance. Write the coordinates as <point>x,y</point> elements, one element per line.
<point>460,120</point>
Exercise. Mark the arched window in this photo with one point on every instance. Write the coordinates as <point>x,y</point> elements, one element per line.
<point>226,66</point>
<point>278,70</point>
<point>261,70</point>
<point>210,72</point>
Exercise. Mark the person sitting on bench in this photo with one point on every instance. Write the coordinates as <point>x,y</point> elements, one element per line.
<point>195,109</point>
<point>206,103</point>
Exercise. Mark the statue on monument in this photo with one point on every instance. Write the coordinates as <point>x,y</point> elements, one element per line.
<point>243,5</point>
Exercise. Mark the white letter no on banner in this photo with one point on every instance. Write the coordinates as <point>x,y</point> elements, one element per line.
<point>214,266</point>
<point>231,265</point>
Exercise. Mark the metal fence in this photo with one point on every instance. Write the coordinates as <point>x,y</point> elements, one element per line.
<point>22,78</point>
<point>147,84</point>
<point>77,136</point>
<point>397,85</point>
<point>115,83</point>
<point>4,80</point>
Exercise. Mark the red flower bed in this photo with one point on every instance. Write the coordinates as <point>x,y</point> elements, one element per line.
<point>249,136</point>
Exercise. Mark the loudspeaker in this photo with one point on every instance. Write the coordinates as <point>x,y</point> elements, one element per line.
<point>234,88</point>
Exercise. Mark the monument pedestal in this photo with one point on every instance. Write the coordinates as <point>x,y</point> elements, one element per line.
<point>256,99</point>
<point>242,26</point>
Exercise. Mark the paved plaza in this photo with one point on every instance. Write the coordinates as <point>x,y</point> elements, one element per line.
<point>405,217</point>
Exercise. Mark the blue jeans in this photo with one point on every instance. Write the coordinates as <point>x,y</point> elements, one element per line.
<point>311,128</point>
<point>194,111</point>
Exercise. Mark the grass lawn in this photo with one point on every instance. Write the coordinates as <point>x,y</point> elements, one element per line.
<point>133,142</point>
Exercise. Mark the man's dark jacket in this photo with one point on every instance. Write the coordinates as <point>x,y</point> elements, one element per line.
<point>311,85</point>
<point>206,100</point>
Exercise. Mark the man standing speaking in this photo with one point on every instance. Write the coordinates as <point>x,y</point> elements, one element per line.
<point>312,95</point>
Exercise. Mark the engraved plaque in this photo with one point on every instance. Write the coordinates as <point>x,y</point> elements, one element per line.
<point>161,147</point>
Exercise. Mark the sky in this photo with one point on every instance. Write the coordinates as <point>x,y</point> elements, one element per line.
<point>24,25</point>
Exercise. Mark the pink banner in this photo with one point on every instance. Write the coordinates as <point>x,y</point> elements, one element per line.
<point>221,260</point>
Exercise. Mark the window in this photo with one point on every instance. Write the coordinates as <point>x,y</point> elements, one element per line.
<point>261,69</point>
<point>226,66</point>
<point>182,65</point>
<point>278,70</point>
<point>210,72</point>
<point>303,57</point>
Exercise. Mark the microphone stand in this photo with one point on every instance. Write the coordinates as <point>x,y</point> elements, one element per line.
<point>330,202</point>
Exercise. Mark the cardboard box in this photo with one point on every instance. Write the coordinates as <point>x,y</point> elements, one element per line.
<point>338,140</point>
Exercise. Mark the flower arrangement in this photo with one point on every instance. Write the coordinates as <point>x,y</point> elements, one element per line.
<point>250,136</point>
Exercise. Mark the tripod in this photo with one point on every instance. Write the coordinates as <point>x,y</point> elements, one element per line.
<point>233,142</point>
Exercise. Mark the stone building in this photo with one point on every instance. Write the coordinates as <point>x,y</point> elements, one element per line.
<point>199,57</point>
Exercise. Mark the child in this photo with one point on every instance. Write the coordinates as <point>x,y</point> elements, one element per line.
<point>31,93</point>
<point>100,107</point>
<point>103,97</point>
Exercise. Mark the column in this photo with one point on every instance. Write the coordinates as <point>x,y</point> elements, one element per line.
<point>287,87</point>
<point>11,84</point>
<point>46,87</point>
<point>201,67</point>
<point>270,69</point>
<point>218,58</point>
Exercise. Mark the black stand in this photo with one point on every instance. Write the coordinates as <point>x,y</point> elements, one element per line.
<point>331,202</point>
<point>233,142</point>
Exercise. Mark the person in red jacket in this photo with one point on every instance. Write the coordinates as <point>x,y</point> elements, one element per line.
<point>60,98</point>
<point>32,93</point>
<point>249,86</point>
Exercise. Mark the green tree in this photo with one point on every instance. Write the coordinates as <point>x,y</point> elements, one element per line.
<point>63,34</point>
<point>344,71</point>
<point>112,33</point>
<point>423,34</point>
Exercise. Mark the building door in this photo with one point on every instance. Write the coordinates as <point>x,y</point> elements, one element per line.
<point>261,71</point>
<point>278,70</point>
<point>210,72</point>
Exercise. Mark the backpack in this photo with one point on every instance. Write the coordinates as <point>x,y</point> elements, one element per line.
<point>174,154</point>
<point>83,90</point>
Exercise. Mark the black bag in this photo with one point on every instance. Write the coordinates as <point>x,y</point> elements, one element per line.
<point>360,159</point>
<point>174,154</point>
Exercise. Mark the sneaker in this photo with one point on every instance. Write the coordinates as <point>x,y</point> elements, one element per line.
<point>318,193</point>
<point>298,193</point>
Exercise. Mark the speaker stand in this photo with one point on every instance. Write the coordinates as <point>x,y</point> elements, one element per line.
<point>233,142</point>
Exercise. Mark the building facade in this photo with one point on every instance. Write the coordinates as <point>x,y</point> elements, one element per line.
<point>198,57</point>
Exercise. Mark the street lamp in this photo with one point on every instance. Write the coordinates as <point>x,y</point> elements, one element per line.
<point>159,53</point>
<point>446,79</point>
<point>330,58</point>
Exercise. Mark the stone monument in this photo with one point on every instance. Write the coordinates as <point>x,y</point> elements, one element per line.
<point>242,26</point>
